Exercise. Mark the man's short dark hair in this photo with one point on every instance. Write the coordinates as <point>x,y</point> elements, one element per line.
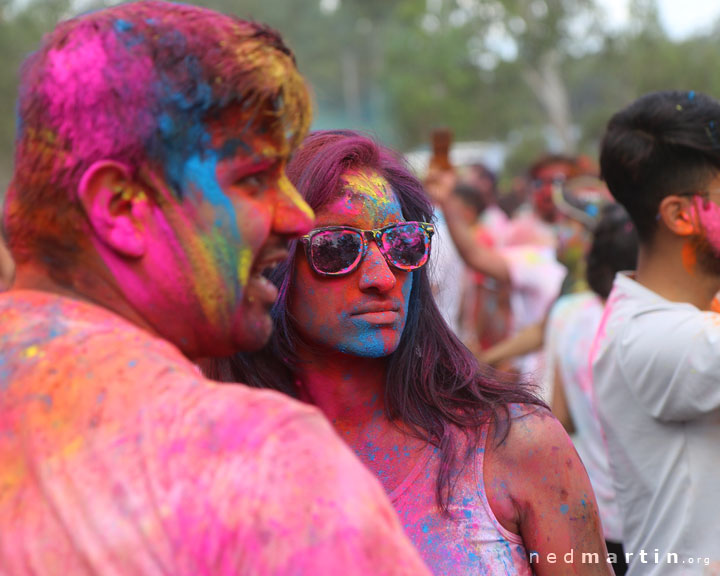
<point>664,143</point>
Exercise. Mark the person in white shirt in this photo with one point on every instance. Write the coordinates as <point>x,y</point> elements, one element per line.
<point>656,356</point>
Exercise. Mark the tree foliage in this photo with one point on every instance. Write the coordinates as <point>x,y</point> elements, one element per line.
<point>509,70</point>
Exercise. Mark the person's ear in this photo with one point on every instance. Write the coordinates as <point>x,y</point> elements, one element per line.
<point>116,207</point>
<point>678,215</point>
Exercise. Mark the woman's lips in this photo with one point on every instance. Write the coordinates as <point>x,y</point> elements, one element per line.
<point>378,313</point>
<point>380,317</point>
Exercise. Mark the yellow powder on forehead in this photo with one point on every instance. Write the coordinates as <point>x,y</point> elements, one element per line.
<point>369,183</point>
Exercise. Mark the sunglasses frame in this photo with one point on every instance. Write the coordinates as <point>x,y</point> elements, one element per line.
<point>366,236</point>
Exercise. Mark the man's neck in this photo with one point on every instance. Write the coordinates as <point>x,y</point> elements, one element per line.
<point>675,278</point>
<point>82,285</point>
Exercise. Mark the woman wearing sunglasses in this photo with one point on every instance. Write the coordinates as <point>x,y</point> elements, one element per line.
<point>483,478</point>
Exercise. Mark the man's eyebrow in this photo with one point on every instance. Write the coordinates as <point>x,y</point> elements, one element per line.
<point>249,166</point>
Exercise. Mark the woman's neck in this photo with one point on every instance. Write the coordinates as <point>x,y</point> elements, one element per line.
<point>348,389</point>
<point>350,392</point>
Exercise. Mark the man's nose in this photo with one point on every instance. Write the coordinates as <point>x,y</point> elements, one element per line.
<point>293,216</point>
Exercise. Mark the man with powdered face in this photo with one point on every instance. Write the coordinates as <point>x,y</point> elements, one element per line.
<point>656,357</point>
<point>149,195</point>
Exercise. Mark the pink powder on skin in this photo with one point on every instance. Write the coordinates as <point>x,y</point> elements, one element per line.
<point>709,216</point>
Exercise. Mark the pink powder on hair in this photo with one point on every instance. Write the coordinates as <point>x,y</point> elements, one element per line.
<point>80,78</point>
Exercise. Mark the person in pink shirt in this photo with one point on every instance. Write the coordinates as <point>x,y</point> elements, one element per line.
<point>484,479</point>
<point>149,195</point>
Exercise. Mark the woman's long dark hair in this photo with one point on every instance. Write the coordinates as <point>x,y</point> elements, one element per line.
<point>433,381</point>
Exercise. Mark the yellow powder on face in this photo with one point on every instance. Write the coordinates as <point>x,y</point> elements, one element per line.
<point>370,184</point>
<point>286,189</point>
<point>244,265</point>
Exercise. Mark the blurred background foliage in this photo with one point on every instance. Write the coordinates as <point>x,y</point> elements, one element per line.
<point>532,74</point>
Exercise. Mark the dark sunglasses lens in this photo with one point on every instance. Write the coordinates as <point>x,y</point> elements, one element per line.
<point>335,251</point>
<point>406,246</point>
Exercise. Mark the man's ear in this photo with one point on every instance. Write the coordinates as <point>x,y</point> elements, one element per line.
<point>678,214</point>
<point>116,207</point>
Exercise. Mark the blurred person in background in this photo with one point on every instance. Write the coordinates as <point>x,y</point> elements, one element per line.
<point>577,202</point>
<point>7,266</point>
<point>655,359</point>
<point>524,259</point>
<point>493,219</point>
<point>571,327</point>
<point>484,316</point>
<point>148,196</point>
<point>480,472</point>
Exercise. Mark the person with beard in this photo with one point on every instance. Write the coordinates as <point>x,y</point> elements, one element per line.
<point>148,197</point>
<point>655,358</point>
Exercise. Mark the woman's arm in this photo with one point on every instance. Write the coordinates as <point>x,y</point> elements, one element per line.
<point>439,185</point>
<point>529,339</point>
<point>537,487</point>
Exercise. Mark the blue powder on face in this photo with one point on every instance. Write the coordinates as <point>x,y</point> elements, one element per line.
<point>564,508</point>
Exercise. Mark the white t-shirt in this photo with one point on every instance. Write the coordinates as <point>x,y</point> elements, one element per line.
<point>536,278</point>
<point>570,331</point>
<point>656,372</point>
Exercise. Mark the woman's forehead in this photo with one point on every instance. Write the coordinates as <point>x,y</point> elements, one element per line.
<point>364,194</point>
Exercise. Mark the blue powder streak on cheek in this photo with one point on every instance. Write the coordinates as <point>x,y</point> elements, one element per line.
<point>564,509</point>
<point>201,173</point>
<point>365,341</point>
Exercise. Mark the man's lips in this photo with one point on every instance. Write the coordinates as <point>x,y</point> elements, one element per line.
<point>268,260</point>
<point>259,288</point>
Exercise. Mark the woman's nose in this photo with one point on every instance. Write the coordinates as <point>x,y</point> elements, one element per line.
<point>375,272</point>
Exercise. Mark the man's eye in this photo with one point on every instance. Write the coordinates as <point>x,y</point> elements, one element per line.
<point>250,181</point>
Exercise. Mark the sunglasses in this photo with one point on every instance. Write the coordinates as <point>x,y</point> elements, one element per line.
<point>338,250</point>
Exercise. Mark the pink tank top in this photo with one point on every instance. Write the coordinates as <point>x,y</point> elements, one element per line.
<point>472,541</point>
